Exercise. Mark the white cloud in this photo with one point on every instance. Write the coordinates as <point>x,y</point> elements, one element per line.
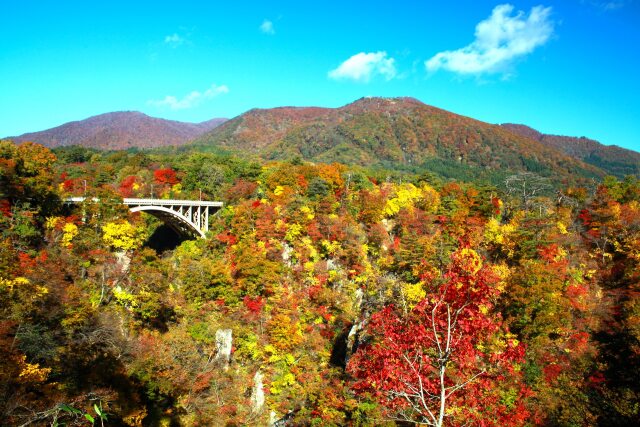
<point>500,39</point>
<point>612,5</point>
<point>174,39</point>
<point>267,27</point>
<point>361,67</point>
<point>608,5</point>
<point>191,100</point>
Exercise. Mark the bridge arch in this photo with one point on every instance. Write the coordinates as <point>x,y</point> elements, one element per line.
<point>186,217</point>
<point>169,217</point>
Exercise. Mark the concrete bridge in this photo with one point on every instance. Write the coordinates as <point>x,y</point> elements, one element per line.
<point>186,217</point>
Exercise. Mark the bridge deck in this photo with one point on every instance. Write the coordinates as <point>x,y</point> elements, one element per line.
<point>156,202</point>
<point>183,215</point>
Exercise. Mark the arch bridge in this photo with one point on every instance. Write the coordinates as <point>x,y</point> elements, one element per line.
<point>186,217</point>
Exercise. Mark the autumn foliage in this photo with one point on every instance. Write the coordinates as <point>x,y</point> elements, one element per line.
<point>322,295</point>
<point>450,360</point>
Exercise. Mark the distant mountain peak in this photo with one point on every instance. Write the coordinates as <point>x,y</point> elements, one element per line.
<point>373,103</point>
<point>387,100</point>
<point>120,130</point>
<point>397,133</point>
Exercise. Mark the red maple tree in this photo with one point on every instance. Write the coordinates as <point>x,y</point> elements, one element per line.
<point>450,361</point>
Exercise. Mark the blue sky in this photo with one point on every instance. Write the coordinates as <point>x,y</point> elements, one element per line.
<point>568,67</point>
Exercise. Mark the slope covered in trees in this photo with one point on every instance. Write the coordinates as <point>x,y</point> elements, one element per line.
<point>614,160</point>
<point>321,296</point>
<point>120,131</point>
<point>398,133</point>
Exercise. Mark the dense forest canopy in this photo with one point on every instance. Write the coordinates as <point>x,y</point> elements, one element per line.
<point>324,294</point>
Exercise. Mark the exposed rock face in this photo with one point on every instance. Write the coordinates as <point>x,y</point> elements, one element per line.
<point>257,394</point>
<point>352,340</point>
<point>282,422</point>
<point>273,419</point>
<point>224,339</point>
<point>123,261</point>
<point>286,254</point>
<point>388,224</point>
<point>359,296</point>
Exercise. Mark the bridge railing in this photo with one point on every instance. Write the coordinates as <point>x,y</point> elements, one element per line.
<point>194,214</point>
<point>173,202</point>
<point>154,202</point>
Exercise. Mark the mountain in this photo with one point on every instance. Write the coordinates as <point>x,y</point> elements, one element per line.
<point>614,160</point>
<point>396,133</point>
<point>120,130</point>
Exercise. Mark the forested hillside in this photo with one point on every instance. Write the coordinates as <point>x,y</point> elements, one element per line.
<point>614,160</point>
<point>324,294</point>
<point>120,130</point>
<point>395,133</point>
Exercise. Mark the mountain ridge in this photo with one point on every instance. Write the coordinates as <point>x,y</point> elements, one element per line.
<point>401,133</point>
<point>395,133</point>
<point>120,130</point>
<point>616,160</point>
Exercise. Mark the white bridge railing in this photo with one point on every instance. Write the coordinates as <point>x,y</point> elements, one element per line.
<point>190,216</point>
